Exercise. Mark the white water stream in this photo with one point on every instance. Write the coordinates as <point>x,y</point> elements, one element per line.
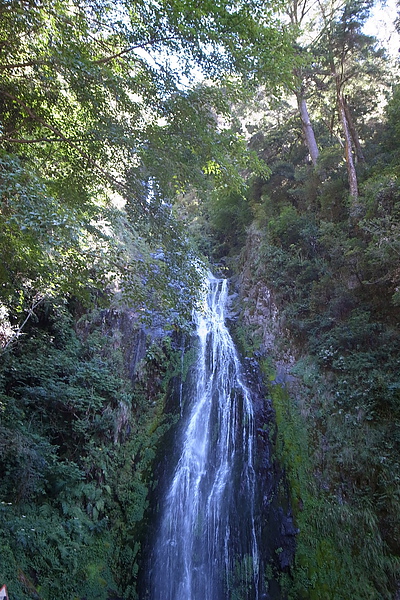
<point>207,546</point>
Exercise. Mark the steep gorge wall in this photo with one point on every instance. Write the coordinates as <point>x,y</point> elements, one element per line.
<point>328,450</point>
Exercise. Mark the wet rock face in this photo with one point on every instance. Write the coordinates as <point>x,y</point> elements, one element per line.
<point>128,333</point>
<point>288,546</point>
<point>278,528</point>
<point>253,306</point>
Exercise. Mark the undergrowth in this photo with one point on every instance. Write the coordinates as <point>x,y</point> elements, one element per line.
<point>77,447</point>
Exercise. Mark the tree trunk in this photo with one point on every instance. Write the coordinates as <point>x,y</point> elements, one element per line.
<point>308,130</point>
<point>353,131</point>
<point>351,170</point>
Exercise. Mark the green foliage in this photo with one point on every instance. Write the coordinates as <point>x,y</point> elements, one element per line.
<point>51,249</point>
<point>229,215</point>
<point>94,113</point>
<point>76,452</point>
<point>335,283</point>
<point>332,559</point>
<point>47,247</point>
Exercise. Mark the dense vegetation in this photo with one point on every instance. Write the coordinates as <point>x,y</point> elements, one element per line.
<point>103,122</point>
<point>77,445</point>
<point>329,256</point>
<point>120,169</point>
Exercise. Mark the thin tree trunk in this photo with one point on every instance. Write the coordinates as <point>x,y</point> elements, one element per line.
<point>308,130</point>
<point>351,170</point>
<point>353,131</point>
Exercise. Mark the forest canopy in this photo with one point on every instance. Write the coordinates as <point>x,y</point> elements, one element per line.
<point>102,105</point>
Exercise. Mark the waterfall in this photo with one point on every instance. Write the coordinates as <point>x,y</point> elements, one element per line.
<point>207,547</point>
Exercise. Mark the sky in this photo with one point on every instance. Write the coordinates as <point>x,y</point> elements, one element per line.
<point>381,25</point>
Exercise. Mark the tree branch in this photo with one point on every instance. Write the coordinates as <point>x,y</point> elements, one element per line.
<point>101,61</point>
<point>107,59</point>
<point>17,333</point>
<point>38,140</point>
<point>62,138</point>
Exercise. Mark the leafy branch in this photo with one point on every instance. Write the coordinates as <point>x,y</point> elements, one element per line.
<point>18,331</point>
<point>118,185</point>
<point>129,49</point>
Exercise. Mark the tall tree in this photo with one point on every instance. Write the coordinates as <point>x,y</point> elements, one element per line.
<point>299,14</point>
<point>346,53</point>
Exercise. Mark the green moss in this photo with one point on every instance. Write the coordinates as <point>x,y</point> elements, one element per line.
<point>340,551</point>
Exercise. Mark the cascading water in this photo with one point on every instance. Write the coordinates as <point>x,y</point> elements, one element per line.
<point>207,547</point>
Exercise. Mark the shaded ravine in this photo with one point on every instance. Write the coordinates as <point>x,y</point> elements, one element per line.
<point>210,543</point>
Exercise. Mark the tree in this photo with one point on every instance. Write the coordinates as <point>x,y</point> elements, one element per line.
<point>92,105</point>
<point>96,78</point>
<point>335,57</point>
<point>346,53</point>
<point>299,13</point>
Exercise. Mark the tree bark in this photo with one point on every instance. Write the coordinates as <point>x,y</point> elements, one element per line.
<point>353,132</point>
<point>348,150</point>
<point>308,130</point>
